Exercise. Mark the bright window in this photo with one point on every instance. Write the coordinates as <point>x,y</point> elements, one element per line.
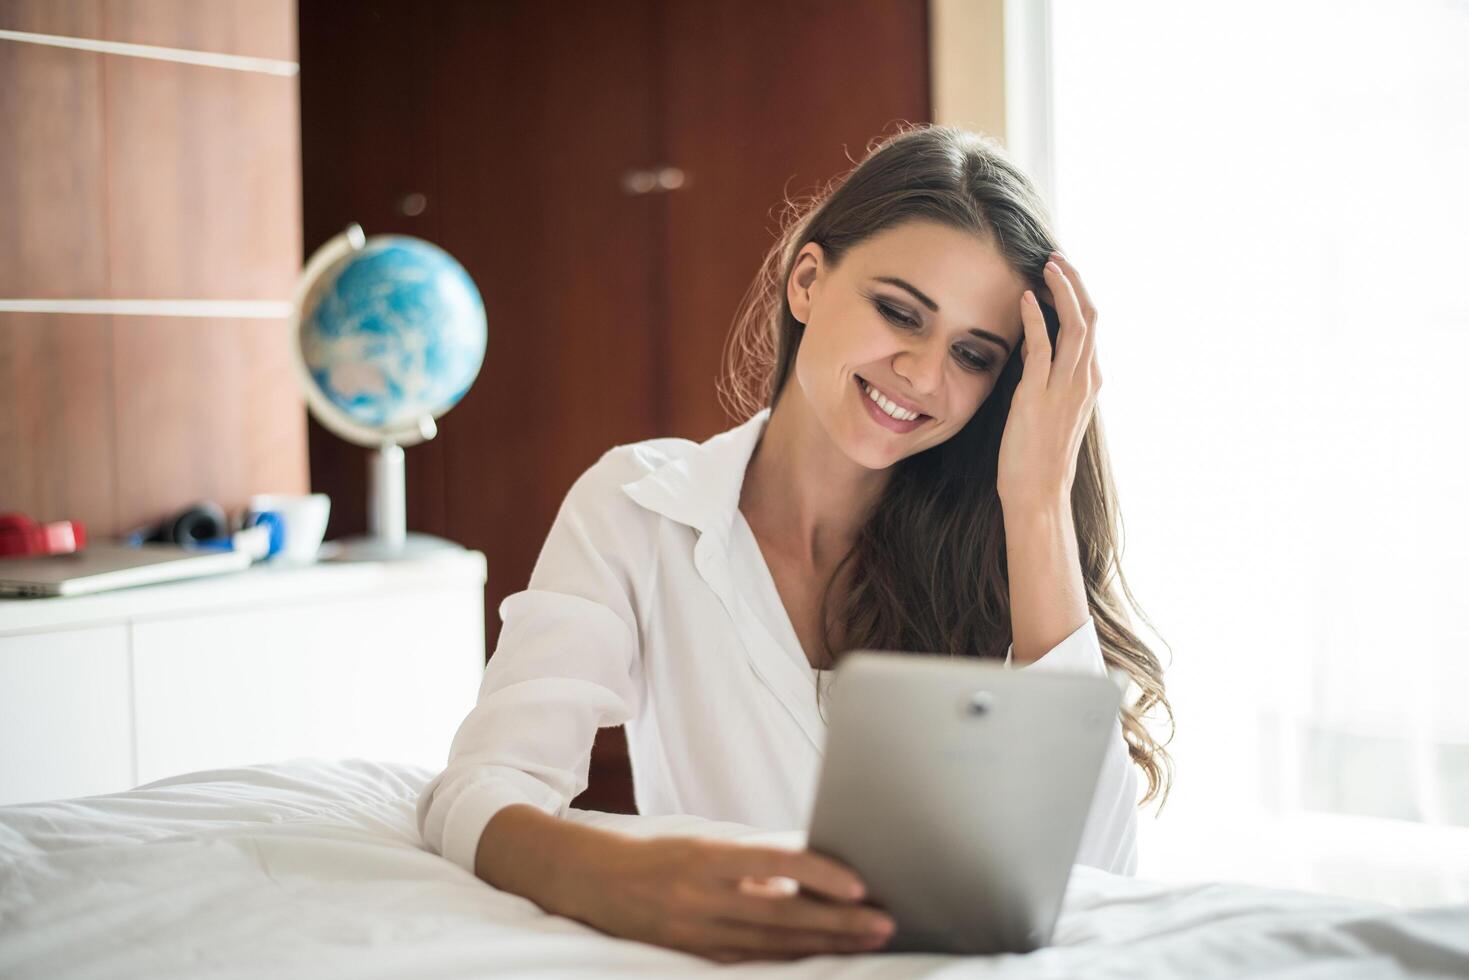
<point>1270,204</point>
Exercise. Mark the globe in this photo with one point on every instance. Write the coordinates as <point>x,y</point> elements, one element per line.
<point>389,332</point>
<point>389,335</point>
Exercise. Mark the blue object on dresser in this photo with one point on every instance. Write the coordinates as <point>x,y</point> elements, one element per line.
<point>390,332</point>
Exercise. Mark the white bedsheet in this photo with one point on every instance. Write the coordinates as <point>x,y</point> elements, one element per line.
<point>314,868</point>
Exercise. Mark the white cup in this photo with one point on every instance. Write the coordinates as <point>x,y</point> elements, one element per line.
<point>304,519</point>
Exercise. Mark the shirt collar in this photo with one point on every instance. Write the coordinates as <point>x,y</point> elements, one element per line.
<point>701,486</point>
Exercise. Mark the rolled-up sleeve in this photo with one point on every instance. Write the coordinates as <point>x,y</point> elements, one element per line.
<point>1109,838</point>
<point>1080,652</point>
<point>567,663</point>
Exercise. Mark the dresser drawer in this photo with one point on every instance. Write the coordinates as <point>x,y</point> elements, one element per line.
<point>65,714</point>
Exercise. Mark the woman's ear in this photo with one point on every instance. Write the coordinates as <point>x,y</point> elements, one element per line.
<point>803,276</point>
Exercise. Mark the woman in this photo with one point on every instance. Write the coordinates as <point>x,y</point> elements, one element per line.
<point>925,475</point>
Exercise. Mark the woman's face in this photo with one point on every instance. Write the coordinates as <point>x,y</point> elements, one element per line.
<point>922,313</point>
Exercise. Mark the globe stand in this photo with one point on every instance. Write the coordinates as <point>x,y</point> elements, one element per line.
<point>388,538</point>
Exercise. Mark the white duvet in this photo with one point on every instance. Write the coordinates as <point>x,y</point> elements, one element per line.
<point>312,868</point>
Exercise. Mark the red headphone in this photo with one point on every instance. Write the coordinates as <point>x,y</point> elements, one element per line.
<point>20,535</point>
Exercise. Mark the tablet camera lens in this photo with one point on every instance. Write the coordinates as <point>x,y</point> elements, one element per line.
<point>979,704</point>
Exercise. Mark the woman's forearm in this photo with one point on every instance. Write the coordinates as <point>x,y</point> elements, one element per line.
<point>528,852</point>
<point>1047,592</point>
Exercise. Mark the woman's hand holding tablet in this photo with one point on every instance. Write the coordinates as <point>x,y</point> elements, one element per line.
<point>728,902</point>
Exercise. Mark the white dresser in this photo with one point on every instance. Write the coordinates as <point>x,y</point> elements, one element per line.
<point>100,693</point>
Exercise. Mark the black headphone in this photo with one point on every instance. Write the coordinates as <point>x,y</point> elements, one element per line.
<point>202,521</point>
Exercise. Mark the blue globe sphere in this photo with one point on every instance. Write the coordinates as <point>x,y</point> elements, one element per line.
<point>391,333</point>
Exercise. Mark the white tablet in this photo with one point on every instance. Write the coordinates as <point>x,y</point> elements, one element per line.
<point>958,790</point>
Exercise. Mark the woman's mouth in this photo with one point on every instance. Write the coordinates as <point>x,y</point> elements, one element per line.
<point>900,422</point>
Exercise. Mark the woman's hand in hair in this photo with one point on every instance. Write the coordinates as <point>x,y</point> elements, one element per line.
<point>1053,401</point>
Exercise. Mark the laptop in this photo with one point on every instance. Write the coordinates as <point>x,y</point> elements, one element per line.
<point>958,790</point>
<point>111,566</point>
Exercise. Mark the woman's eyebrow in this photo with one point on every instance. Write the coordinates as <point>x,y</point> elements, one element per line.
<point>933,307</point>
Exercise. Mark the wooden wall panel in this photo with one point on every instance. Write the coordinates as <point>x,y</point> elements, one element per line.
<point>133,178</point>
<point>52,178</point>
<point>258,28</point>
<point>208,421</point>
<point>56,428</point>
<point>71,18</point>
<point>203,182</point>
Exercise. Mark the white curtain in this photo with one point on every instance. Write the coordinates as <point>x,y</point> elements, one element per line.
<point>1270,204</point>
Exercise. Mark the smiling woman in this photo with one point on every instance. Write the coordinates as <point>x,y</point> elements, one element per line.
<point>909,448</point>
<point>902,288</point>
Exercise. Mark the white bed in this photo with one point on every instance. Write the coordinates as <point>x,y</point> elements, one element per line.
<point>314,868</point>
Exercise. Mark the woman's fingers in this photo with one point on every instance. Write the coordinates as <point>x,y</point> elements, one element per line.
<point>1088,308</point>
<point>1088,354</point>
<point>812,871</point>
<point>772,887</point>
<point>1071,338</point>
<point>758,909</point>
<point>1035,351</point>
<point>796,912</point>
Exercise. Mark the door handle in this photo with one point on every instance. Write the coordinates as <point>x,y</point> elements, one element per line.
<point>653,180</point>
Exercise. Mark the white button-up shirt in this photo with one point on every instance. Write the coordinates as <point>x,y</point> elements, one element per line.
<point>651,606</point>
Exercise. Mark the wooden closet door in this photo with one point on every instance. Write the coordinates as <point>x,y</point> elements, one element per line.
<point>552,106</point>
<point>518,122</point>
<point>515,122</point>
<point>762,101</point>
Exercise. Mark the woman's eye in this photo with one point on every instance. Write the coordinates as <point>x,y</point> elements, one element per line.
<point>972,359</point>
<point>895,316</point>
<point>968,357</point>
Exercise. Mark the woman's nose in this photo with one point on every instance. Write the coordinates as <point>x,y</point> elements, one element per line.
<point>921,366</point>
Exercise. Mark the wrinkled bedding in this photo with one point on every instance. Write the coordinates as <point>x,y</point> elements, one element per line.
<point>312,867</point>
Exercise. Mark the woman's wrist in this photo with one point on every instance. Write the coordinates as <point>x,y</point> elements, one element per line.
<point>577,876</point>
<point>559,865</point>
<point>1036,507</point>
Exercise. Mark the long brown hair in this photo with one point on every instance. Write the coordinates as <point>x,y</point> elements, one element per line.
<point>929,568</point>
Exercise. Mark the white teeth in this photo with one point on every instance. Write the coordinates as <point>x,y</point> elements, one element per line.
<point>888,406</point>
